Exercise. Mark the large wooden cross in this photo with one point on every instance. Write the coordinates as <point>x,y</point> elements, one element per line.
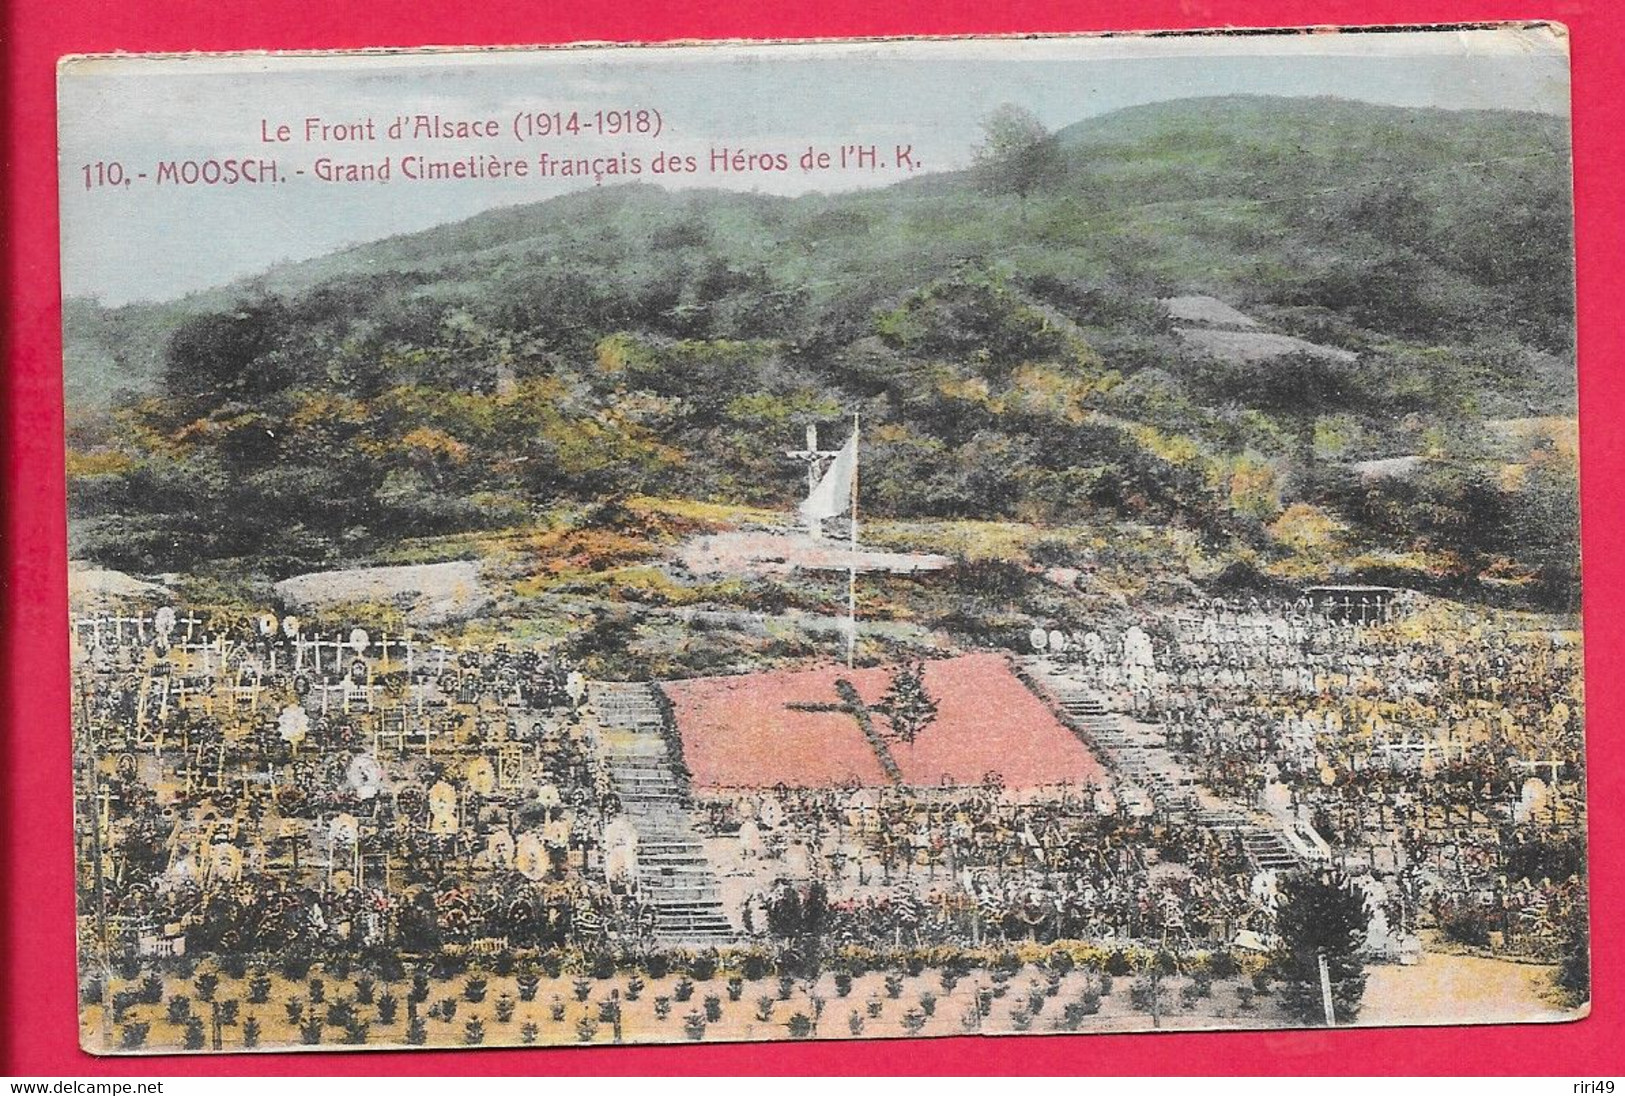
<point>852,704</point>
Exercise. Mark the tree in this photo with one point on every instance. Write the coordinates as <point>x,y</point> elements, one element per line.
<point>1017,155</point>
<point>907,706</point>
<point>1321,913</point>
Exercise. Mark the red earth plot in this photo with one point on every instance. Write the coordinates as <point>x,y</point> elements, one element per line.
<point>793,728</point>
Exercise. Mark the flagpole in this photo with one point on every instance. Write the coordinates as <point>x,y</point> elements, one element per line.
<point>852,562</point>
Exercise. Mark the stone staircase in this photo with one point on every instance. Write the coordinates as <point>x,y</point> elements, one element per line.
<point>674,877</point>
<point>1142,757</point>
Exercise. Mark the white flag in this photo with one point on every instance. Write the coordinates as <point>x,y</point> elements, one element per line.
<point>833,495</point>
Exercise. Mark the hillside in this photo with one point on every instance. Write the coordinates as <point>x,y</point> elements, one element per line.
<point>1010,357</point>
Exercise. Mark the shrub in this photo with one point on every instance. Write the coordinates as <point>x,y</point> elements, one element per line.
<point>555,1009</point>
<point>206,984</point>
<point>529,982</point>
<point>419,992</point>
<point>552,963</point>
<point>609,1010</point>
<point>657,963</point>
<point>310,1032</point>
<point>875,1006</point>
<point>854,1022</point>
<point>295,1008</point>
<point>684,989</point>
<point>152,989</point>
<point>317,990</point>
<point>133,1036</point>
<point>1021,1019</point>
<point>340,1012</point>
<point>582,988</point>
<point>949,979</point>
<point>662,1007</point>
<point>1261,983</point>
<point>603,965</point>
<point>448,1008</point>
<point>703,967</point>
<point>528,1033</point>
<point>178,1009</point>
<point>586,1028</point>
<point>913,1021</point>
<point>1117,963</point>
<point>505,1008</point>
<point>251,1032</point>
<point>694,1027</point>
<point>474,989</point>
<point>194,1033</point>
<point>787,985</point>
<point>228,1011</point>
<point>387,1006</point>
<point>755,966</point>
<point>365,986</point>
<point>1089,1002</point>
<point>928,1003</point>
<point>338,967</point>
<point>473,1033</point>
<point>417,1032</point>
<point>914,964</point>
<point>1244,998</point>
<point>800,1025</point>
<point>713,1008</point>
<point>894,986</point>
<point>736,988</point>
<point>1061,962</point>
<point>843,983</point>
<point>1222,964</point>
<point>764,1008</point>
<point>356,1031</point>
<point>502,964</point>
<point>295,966</point>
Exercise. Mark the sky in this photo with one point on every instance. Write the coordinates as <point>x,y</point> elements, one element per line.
<point>152,240</point>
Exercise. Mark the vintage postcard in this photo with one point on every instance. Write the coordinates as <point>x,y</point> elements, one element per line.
<point>824,540</point>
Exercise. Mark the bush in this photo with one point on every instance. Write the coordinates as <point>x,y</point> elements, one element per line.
<point>356,1031</point>
<point>178,1009</point>
<point>662,1007</point>
<point>552,963</point>
<point>228,1011</point>
<point>417,1032</point>
<point>1244,998</point>
<point>295,967</point>
<point>473,1033</point>
<point>913,1021</point>
<point>875,1006</point>
<point>949,979</point>
<point>787,985</point>
<point>657,964</point>
<point>448,1009</point>
<point>736,988</point>
<point>259,987</point>
<point>317,990</point>
<point>1089,1002</point>
<point>603,966</point>
<point>528,1033</point>
<point>1021,1019</point>
<point>713,1008</point>
<point>1261,983</point>
<point>206,984</point>
<point>843,983</point>
<point>152,989</point>
<point>1117,963</point>
<point>529,982</point>
<point>914,965</point>
<point>854,1022</point>
<point>1222,964</point>
<point>387,1006</point>
<point>133,1036</point>
<point>295,1008</point>
<point>755,966</point>
<point>703,967</point>
<point>556,1010</point>
<point>505,1008</point>
<point>586,1028</point>
<point>419,992</point>
<point>365,986</point>
<point>474,989</point>
<point>251,1032</point>
<point>684,989</point>
<point>928,1003</point>
<point>694,1027</point>
<point>310,1033</point>
<point>502,964</point>
<point>764,1008</point>
<point>194,1033</point>
<point>800,1025</point>
<point>340,1012</point>
<point>582,988</point>
<point>894,986</point>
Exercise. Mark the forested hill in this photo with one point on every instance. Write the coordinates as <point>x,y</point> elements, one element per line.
<point>1008,349</point>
